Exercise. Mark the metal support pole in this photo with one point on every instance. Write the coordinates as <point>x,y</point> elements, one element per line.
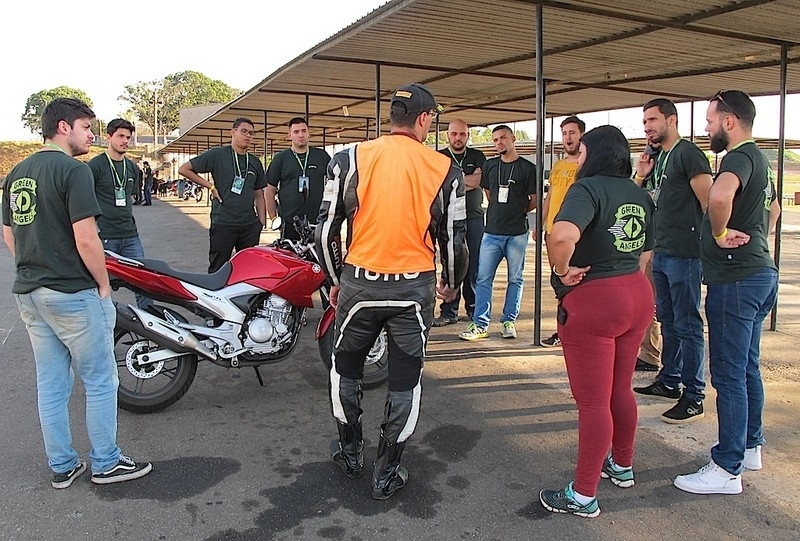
<point>377,100</point>
<point>307,109</point>
<point>324,134</point>
<point>436,139</point>
<point>366,137</point>
<point>773,318</point>
<point>266,128</point>
<point>552,141</point>
<point>540,120</point>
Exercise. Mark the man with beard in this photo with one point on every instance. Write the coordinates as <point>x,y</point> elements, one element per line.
<point>64,295</point>
<point>742,282</point>
<point>469,160</point>
<point>562,176</point>
<point>114,181</point>
<point>296,176</point>
<point>681,180</point>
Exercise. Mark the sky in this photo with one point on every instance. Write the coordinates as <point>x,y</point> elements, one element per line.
<point>99,47</point>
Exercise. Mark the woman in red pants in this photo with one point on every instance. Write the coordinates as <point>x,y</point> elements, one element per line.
<point>605,306</point>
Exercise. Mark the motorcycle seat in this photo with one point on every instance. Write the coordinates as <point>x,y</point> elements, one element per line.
<point>212,282</point>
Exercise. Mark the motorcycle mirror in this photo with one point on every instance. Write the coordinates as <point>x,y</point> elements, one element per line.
<point>276,223</point>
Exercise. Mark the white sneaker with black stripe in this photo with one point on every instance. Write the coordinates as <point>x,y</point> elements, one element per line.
<point>125,470</point>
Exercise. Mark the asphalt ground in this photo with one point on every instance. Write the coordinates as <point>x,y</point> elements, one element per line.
<point>237,461</point>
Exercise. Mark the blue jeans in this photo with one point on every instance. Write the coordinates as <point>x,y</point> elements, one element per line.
<point>148,192</point>
<point>677,281</point>
<point>73,333</point>
<point>130,247</point>
<point>493,249</point>
<point>474,236</point>
<point>735,313</point>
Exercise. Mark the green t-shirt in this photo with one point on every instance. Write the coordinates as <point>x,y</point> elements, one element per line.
<point>750,214</point>
<point>42,197</point>
<point>116,222</point>
<point>614,216</point>
<point>470,160</point>
<point>284,173</point>
<point>235,209</point>
<point>519,176</point>
<point>678,214</point>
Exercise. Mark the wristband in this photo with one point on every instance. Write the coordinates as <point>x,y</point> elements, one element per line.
<point>211,187</point>
<point>721,235</point>
<point>638,177</point>
<point>560,275</point>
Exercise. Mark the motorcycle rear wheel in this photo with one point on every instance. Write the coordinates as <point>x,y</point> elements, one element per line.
<point>376,367</point>
<point>153,387</point>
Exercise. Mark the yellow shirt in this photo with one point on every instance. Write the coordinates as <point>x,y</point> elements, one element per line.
<point>562,175</point>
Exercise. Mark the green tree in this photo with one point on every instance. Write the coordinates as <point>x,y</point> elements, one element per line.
<point>34,107</point>
<point>171,94</point>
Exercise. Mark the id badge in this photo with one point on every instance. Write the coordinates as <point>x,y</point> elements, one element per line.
<point>502,194</point>
<point>302,183</point>
<point>238,185</point>
<point>120,197</point>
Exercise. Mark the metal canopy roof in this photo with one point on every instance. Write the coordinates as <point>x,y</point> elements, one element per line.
<point>478,58</point>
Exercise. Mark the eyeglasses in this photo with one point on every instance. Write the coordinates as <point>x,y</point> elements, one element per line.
<point>246,132</point>
<point>718,97</point>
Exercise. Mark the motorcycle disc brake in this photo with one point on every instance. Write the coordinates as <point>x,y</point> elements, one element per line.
<point>137,368</point>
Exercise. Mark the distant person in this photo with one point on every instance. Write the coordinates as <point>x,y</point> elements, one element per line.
<point>509,182</point>
<point>562,176</point>
<point>63,294</point>
<point>388,277</point>
<point>605,304</point>
<point>114,180</point>
<point>469,160</point>
<point>238,211</point>
<point>742,288</point>
<point>147,174</point>
<point>137,187</point>
<point>297,176</point>
<point>681,178</point>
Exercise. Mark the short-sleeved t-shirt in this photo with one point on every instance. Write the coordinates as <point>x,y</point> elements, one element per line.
<point>614,216</point>
<point>284,173</point>
<point>116,222</point>
<point>508,218</point>
<point>678,214</point>
<point>470,160</point>
<point>235,209</point>
<point>750,214</point>
<point>42,197</point>
<point>562,176</point>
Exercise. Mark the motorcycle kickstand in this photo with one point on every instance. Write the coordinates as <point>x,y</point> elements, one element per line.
<point>258,375</point>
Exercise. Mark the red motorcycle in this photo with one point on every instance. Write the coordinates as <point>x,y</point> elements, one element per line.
<point>250,312</point>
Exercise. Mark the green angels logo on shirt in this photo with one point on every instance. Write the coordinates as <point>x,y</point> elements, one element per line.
<point>629,230</point>
<point>23,201</point>
<point>769,188</point>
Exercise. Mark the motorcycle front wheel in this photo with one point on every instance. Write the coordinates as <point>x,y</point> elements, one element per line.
<point>376,367</point>
<point>148,388</point>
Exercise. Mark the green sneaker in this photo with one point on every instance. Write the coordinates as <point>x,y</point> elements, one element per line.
<point>474,332</point>
<point>622,477</point>
<point>509,331</point>
<point>563,501</point>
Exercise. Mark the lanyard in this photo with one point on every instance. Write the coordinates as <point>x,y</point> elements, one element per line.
<point>51,145</point>
<point>118,182</point>
<point>459,163</point>
<point>304,163</point>
<point>510,175</point>
<point>236,161</point>
<point>742,143</point>
<point>661,164</point>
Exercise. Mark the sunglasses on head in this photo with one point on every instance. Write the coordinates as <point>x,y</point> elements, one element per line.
<point>720,98</point>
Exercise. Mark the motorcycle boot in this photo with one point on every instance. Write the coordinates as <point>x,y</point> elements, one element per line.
<point>348,450</point>
<point>400,419</point>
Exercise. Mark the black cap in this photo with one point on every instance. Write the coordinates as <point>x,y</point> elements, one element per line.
<point>415,98</point>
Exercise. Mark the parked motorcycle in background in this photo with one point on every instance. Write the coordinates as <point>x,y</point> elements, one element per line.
<point>250,313</point>
<point>193,190</point>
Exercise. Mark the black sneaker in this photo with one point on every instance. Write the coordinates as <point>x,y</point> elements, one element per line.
<point>125,470</point>
<point>685,411</point>
<point>64,480</point>
<point>642,366</point>
<point>658,390</point>
<point>553,342</point>
<point>444,321</point>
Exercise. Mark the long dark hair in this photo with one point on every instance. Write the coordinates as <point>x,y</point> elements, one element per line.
<point>608,153</point>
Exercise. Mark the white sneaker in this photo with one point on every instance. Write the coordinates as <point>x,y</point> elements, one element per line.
<point>710,479</point>
<point>752,458</point>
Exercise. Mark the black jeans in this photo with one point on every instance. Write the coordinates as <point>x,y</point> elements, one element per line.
<point>224,238</point>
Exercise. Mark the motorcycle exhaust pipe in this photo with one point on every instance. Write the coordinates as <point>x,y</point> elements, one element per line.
<point>160,331</point>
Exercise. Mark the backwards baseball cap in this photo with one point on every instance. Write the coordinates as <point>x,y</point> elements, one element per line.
<point>415,98</point>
